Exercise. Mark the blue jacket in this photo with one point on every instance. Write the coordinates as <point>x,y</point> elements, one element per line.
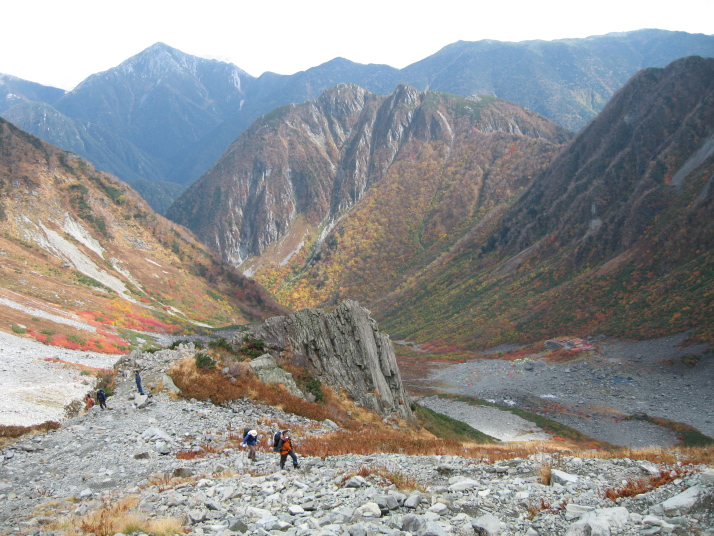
<point>250,440</point>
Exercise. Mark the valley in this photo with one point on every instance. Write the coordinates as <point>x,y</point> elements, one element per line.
<point>599,393</point>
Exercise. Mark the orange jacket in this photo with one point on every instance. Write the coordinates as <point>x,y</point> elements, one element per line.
<point>286,446</point>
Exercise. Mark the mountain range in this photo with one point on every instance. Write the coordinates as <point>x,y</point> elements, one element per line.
<point>473,221</point>
<point>161,119</point>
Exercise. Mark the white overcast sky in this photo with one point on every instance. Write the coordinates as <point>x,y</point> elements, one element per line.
<point>60,43</point>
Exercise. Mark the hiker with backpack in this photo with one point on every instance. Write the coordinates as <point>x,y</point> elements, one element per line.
<point>277,436</point>
<point>286,449</point>
<point>89,401</point>
<point>250,440</point>
<point>102,398</point>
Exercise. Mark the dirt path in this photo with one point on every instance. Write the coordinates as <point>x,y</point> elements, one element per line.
<point>593,392</point>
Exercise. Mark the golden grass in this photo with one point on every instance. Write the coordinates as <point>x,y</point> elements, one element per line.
<point>117,517</point>
<point>12,432</point>
<point>212,385</point>
<point>544,473</point>
<point>389,476</point>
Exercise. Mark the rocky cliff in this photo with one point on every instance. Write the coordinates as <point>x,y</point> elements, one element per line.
<point>346,350</point>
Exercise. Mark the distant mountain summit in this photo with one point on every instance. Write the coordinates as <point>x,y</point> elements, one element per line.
<point>162,118</point>
<point>14,91</point>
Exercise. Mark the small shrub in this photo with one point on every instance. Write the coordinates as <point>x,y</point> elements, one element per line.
<point>204,361</point>
<point>75,339</point>
<point>175,344</point>
<point>534,509</point>
<point>105,380</point>
<point>73,409</point>
<point>191,454</point>
<point>690,360</point>
<point>252,347</point>
<point>20,330</point>
<point>643,485</point>
<point>221,343</point>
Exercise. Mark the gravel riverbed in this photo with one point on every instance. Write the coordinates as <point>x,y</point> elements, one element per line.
<point>594,391</point>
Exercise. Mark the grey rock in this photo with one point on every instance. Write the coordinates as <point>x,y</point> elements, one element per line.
<point>413,500</point>
<point>155,434</point>
<point>369,509</point>
<point>141,401</point>
<point>574,511</point>
<point>345,349</point>
<point>356,481</point>
<point>464,485</point>
<point>169,384</point>
<point>561,477</point>
<point>387,502</point>
<point>182,472</point>
<point>707,477</point>
<point>330,424</point>
<point>682,503</point>
<point>196,515</point>
<point>268,371</point>
<point>236,524</point>
<point>486,525</point>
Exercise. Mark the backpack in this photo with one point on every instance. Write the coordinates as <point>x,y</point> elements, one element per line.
<point>276,441</point>
<point>101,396</point>
<point>245,433</point>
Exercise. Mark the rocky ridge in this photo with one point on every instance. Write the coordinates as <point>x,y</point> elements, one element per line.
<point>131,449</point>
<point>346,350</point>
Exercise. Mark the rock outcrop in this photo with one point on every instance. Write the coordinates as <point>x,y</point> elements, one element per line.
<point>346,350</point>
<point>268,371</point>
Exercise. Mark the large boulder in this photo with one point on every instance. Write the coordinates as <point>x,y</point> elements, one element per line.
<point>344,349</point>
<point>268,371</point>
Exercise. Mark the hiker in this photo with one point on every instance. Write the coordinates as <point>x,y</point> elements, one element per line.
<point>286,449</point>
<point>137,377</point>
<point>250,440</point>
<point>277,436</point>
<point>89,401</point>
<point>102,398</point>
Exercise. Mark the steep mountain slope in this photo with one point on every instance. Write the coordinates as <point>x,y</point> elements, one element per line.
<point>83,257</point>
<point>14,90</point>
<point>616,235</point>
<point>420,169</point>
<point>167,116</point>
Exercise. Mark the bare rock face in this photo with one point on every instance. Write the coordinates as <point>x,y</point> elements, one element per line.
<point>346,350</point>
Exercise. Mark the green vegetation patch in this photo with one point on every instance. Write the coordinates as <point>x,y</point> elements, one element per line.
<point>204,361</point>
<point>447,428</point>
<point>549,425</point>
<point>252,347</point>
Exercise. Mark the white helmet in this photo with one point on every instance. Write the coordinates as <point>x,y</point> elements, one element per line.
<point>253,433</point>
